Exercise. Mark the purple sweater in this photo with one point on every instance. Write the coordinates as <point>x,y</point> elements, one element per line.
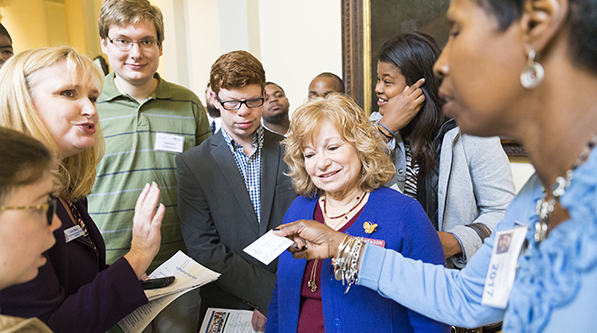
<point>75,291</point>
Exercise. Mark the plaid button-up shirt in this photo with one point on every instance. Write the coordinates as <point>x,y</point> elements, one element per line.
<point>249,167</point>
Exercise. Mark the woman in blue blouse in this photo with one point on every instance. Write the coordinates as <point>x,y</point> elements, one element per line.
<point>338,165</point>
<point>526,69</point>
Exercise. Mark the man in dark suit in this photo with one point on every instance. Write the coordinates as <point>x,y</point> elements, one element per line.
<point>232,190</point>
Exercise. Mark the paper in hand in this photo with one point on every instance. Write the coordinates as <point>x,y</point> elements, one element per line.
<point>268,247</point>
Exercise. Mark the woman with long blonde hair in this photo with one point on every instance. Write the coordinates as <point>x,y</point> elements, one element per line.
<point>49,94</point>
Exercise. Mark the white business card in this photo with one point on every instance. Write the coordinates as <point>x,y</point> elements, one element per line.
<point>268,247</point>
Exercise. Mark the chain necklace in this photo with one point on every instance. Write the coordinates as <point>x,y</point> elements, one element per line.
<point>312,284</point>
<point>345,215</point>
<point>546,206</point>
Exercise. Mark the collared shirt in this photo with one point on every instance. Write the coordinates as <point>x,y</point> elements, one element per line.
<point>249,167</point>
<point>215,122</point>
<point>132,160</point>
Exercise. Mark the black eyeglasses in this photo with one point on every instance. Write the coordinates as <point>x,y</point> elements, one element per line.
<point>124,44</point>
<point>49,208</point>
<point>235,105</point>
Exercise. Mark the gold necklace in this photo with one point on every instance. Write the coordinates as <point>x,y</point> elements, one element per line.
<point>345,216</point>
<point>311,284</point>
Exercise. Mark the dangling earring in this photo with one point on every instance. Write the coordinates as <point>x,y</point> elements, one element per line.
<point>532,75</point>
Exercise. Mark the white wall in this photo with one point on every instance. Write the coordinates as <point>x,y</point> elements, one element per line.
<point>300,39</point>
<point>295,40</point>
<point>521,171</point>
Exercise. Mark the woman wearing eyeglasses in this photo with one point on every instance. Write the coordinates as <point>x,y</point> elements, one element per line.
<point>49,94</point>
<point>27,219</point>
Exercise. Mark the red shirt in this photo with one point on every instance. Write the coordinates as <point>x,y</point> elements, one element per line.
<point>311,309</point>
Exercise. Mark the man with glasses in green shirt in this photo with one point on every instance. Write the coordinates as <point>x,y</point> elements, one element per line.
<point>146,122</point>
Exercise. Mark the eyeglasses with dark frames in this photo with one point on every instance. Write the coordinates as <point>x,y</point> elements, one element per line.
<point>49,208</point>
<point>235,105</point>
<point>124,44</point>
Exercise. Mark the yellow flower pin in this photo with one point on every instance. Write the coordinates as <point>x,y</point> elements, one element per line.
<point>369,227</point>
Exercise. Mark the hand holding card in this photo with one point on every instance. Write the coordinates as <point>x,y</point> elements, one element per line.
<point>268,247</point>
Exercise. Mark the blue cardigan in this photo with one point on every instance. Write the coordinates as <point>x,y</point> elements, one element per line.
<point>404,226</point>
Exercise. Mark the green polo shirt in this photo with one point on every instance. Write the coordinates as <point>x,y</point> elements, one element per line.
<point>132,160</point>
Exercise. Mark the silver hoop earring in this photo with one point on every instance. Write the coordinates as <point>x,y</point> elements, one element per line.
<point>532,75</point>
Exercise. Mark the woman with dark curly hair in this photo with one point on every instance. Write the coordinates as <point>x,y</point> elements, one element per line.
<point>338,165</point>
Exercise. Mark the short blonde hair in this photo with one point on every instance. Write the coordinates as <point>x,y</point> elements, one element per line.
<point>354,128</point>
<point>123,12</point>
<point>75,175</point>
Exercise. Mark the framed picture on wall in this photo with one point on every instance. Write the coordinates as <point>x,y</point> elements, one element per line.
<point>367,24</point>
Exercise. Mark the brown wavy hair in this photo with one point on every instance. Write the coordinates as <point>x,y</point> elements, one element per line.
<point>354,127</point>
<point>236,69</point>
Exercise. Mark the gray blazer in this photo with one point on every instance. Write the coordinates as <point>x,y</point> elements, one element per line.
<point>475,186</point>
<point>218,219</point>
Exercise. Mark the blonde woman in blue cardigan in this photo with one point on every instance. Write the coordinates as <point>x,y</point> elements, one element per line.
<point>338,165</point>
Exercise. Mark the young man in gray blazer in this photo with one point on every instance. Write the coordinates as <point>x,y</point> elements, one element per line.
<point>232,190</point>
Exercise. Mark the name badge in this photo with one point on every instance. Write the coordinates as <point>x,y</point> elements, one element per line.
<point>502,266</point>
<point>73,233</point>
<point>376,242</point>
<point>169,142</point>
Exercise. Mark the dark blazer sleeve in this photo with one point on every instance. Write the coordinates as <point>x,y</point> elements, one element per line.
<point>69,294</point>
<point>215,212</point>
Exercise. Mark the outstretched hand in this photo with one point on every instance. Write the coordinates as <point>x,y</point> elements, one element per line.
<point>146,229</point>
<point>312,240</point>
<point>400,110</point>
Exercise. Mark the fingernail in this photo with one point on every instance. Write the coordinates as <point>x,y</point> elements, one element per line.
<point>154,184</point>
